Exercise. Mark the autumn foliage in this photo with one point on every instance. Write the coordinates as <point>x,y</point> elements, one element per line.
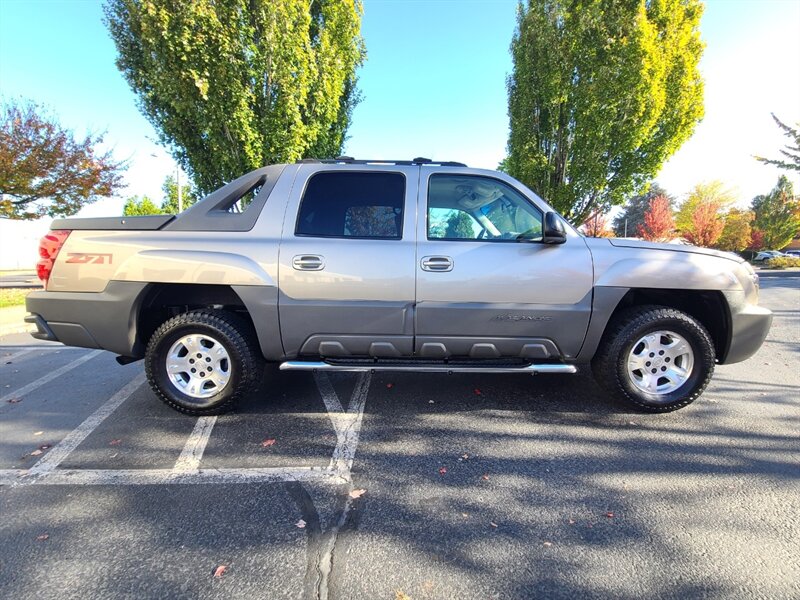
<point>659,223</point>
<point>707,225</point>
<point>45,170</point>
<point>597,226</point>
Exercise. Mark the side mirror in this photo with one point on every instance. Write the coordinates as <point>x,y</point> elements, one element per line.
<point>554,231</point>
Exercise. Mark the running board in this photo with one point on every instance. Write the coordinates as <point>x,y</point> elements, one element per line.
<point>304,365</point>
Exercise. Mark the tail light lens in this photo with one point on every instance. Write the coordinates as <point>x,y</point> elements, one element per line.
<point>49,247</point>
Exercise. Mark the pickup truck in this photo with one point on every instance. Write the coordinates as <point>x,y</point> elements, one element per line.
<point>353,265</point>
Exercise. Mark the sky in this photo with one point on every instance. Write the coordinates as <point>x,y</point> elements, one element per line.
<point>433,85</point>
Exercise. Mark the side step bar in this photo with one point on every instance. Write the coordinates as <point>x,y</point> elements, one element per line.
<point>305,365</point>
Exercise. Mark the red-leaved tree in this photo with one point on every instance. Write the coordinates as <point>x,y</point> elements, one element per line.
<point>707,225</point>
<point>45,170</point>
<point>659,224</point>
<point>756,240</point>
<point>597,226</point>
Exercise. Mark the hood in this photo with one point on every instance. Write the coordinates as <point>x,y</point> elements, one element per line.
<point>626,243</point>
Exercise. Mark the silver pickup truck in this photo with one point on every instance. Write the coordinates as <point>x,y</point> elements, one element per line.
<point>347,265</point>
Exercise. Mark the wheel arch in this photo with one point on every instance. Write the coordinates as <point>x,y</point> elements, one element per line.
<point>709,307</point>
<point>162,301</point>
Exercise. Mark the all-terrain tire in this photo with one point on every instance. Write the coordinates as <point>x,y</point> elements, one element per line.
<point>612,362</point>
<point>243,363</point>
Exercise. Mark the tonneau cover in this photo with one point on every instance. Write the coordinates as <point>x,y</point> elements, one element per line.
<point>146,223</point>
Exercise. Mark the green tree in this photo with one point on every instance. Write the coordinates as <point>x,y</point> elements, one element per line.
<point>791,151</point>
<point>737,232</point>
<point>459,226</point>
<point>231,85</point>
<point>137,207</point>
<point>170,189</point>
<point>777,215</point>
<point>45,170</point>
<point>601,94</point>
<point>635,209</point>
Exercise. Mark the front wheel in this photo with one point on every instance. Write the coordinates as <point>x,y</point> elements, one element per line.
<point>658,359</point>
<point>202,362</point>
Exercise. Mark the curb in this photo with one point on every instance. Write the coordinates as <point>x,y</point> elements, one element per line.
<point>777,273</point>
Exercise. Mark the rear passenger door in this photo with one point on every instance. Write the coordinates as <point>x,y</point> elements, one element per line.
<point>346,262</point>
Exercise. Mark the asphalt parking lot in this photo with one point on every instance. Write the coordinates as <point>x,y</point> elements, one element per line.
<point>399,486</point>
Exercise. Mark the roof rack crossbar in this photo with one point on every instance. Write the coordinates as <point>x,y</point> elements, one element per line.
<point>348,160</point>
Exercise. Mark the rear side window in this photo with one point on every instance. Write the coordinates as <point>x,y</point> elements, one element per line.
<point>353,205</point>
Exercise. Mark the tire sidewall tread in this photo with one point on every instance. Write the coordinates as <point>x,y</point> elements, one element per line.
<point>610,362</point>
<point>226,327</point>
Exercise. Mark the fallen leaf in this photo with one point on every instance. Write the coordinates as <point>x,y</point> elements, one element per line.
<point>36,453</point>
<point>301,524</point>
<point>401,595</point>
<point>547,544</point>
<point>43,537</point>
<point>485,477</point>
<point>442,470</point>
<point>465,456</point>
<point>477,392</point>
<point>267,443</point>
<point>357,493</point>
<point>465,515</point>
<point>114,442</point>
<point>492,523</point>
<point>220,571</point>
<point>610,515</point>
<point>390,385</point>
<point>14,400</point>
<point>38,432</point>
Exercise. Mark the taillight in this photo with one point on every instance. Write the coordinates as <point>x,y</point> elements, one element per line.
<point>49,246</point>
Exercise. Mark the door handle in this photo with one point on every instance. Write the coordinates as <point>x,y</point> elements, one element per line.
<point>439,264</point>
<point>308,262</point>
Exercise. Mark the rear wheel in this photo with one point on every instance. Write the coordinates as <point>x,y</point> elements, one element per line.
<point>202,362</point>
<point>658,359</point>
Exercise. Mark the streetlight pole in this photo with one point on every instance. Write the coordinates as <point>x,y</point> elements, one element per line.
<point>178,181</point>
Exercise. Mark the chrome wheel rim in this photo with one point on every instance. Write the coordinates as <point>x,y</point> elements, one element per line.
<point>660,362</point>
<point>198,366</point>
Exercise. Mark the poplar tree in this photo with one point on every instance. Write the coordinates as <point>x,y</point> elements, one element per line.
<point>601,94</point>
<point>232,85</point>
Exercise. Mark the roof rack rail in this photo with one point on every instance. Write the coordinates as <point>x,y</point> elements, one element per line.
<point>349,160</point>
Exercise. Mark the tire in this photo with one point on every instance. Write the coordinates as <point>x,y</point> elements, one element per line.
<point>658,359</point>
<point>223,343</point>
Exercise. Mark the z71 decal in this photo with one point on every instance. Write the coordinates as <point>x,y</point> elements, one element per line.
<point>82,258</point>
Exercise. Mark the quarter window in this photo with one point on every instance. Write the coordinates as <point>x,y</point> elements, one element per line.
<point>353,205</point>
<point>468,207</point>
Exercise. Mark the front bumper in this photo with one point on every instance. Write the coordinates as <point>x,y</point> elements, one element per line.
<point>749,328</point>
<point>104,320</point>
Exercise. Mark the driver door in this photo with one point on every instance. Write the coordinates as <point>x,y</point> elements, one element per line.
<point>486,285</point>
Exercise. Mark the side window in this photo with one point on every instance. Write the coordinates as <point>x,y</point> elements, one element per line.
<point>469,207</point>
<point>350,204</point>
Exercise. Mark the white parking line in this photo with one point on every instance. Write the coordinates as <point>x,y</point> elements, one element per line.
<point>186,469</point>
<point>63,449</point>
<point>16,477</point>
<point>345,451</point>
<point>331,400</point>
<point>14,356</point>
<point>193,449</point>
<point>49,377</point>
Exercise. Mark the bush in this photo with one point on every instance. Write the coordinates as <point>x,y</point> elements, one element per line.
<point>781,262</point>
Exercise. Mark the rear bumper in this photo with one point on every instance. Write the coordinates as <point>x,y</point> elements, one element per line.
<point>749,327</point>
<point>104,320</point>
